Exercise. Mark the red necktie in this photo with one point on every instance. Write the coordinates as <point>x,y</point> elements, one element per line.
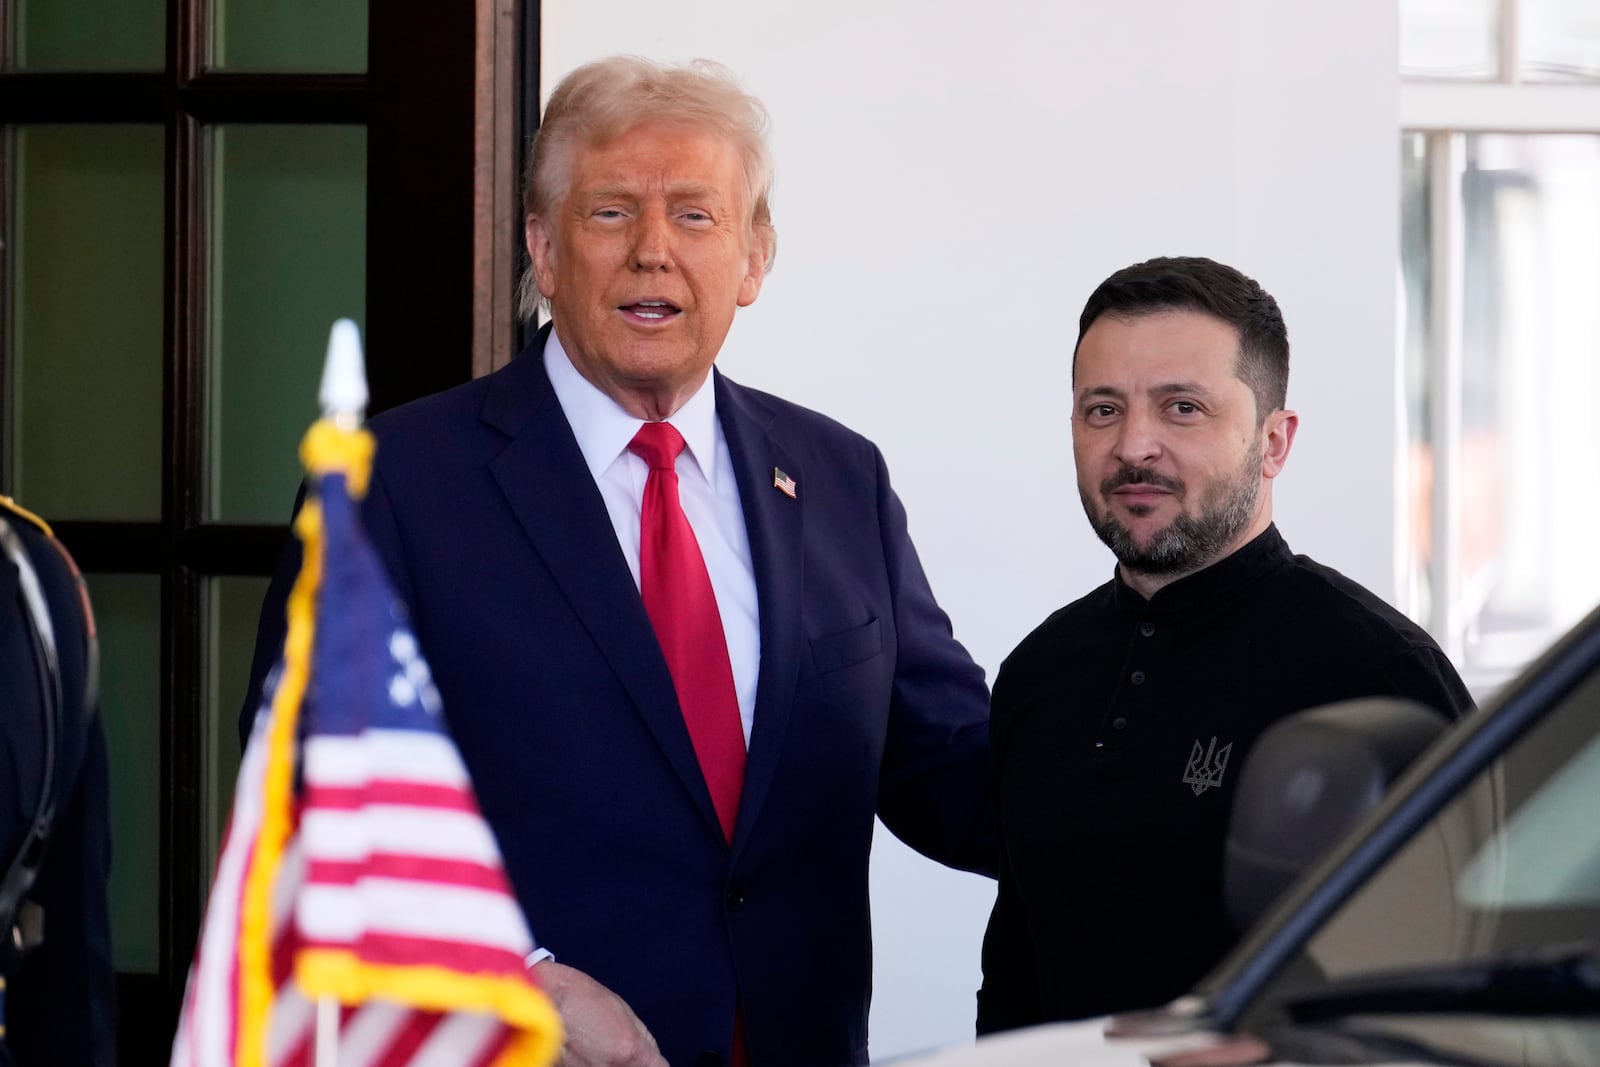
<point>682,608</point>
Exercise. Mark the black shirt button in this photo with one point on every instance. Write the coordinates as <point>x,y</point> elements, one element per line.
<point>1147,628</point>
<point>708,1059</point>
<point>1137,678</point>
<point>1119,723</point>
<point>735,899</point>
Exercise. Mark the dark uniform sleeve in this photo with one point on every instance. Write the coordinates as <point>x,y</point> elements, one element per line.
<point>60,1005</point>
<point>931,794</point>
<point>61,1008</point>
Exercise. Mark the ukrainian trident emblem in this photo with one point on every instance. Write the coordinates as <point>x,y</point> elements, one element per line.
<point>1205,768</point>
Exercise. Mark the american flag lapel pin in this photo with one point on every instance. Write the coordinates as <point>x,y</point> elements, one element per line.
<point>782,481</point>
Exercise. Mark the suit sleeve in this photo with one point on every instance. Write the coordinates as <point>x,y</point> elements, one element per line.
<point>272,626</point>
<point>378,521</point>
<point>931,790</point>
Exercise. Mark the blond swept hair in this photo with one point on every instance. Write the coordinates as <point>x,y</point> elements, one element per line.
<point>605,99</point>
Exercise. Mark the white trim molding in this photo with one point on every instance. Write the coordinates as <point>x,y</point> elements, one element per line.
<point>1521,108</point>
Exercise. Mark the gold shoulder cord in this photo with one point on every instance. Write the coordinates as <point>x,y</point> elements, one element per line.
<point>24,514</point>
<point>10,506</point>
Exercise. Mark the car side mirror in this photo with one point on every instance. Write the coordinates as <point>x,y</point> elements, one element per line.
<point>1310,778</point>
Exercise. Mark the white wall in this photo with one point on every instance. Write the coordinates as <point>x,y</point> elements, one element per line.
<point>953,180</point>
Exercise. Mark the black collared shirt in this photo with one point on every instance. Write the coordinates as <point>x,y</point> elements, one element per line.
<point>1118,729</point>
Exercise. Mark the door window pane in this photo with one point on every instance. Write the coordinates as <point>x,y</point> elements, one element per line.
<point>86,332</point>
<point>1560,40</point>
<point>98,35</point>
<point>1454,39</point>
<point>1415,516</point>
<point>325,36</point>
<point>233,606</point>
<point>1531,379</point>
<point>1527,489</point>
<point>288,258</point>
<point>127,609</point>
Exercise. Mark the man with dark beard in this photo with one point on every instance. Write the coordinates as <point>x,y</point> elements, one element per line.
<point>1118,725</point>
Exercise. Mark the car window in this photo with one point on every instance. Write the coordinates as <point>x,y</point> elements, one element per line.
<point>1511,864</point>
<point>1548,853</point>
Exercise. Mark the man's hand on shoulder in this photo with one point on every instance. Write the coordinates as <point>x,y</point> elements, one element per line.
<point>601,1030</point>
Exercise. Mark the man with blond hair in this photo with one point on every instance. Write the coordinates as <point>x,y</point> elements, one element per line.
<point>678,626</point>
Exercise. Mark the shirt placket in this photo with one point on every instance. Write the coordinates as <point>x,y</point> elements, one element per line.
<point>1130,708</point>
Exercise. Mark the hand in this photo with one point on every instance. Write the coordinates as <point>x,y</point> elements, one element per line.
<point>601,1030</point>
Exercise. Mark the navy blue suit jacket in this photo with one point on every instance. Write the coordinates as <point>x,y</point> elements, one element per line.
<point>559,698</point>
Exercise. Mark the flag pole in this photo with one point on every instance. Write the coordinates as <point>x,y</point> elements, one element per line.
<point>343,396</point>
<point>287,889</point>
<point>327,1032</point>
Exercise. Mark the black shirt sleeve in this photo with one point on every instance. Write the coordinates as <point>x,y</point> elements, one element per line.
<point>1009,994</point>
<point>1425,675</point>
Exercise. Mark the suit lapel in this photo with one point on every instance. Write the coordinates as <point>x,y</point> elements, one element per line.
<point>545,480</point>
<point>773,522</point>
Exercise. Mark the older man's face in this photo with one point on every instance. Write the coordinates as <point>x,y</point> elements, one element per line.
<point>646,260</point>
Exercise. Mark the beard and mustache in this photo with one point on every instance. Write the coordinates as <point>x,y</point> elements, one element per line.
<point>1190,542</point>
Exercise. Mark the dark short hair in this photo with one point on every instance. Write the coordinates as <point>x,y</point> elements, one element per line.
<point>1193,283</point>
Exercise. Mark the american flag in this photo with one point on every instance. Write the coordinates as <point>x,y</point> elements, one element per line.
<point>782,481</point>
<point>365,874</point>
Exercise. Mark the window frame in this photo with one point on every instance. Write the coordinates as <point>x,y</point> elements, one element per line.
<point>1443,112</point>
<point>442,104</point>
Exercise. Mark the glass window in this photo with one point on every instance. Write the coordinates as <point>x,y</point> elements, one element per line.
<point>288,258</point>
<point>1486,876</point>
<point>1529,368</point>
<point>86,329</point>
<point>1455,39</point>
<point>233,608</point>
<point>325,36</point>
<point>127,611</point>
<point>98,35</point>
<point>1415,512</point>
<point>1560,40</point>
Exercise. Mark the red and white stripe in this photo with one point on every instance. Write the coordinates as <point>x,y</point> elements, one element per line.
<point>391,861</point>
<point>207,1027</point>
<point>400,865</point>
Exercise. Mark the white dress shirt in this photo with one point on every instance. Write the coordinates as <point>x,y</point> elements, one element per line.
<point>706,489</point>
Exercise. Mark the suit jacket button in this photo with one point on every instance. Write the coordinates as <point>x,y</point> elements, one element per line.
<point>708,1059</point>
<point>735,899</point>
